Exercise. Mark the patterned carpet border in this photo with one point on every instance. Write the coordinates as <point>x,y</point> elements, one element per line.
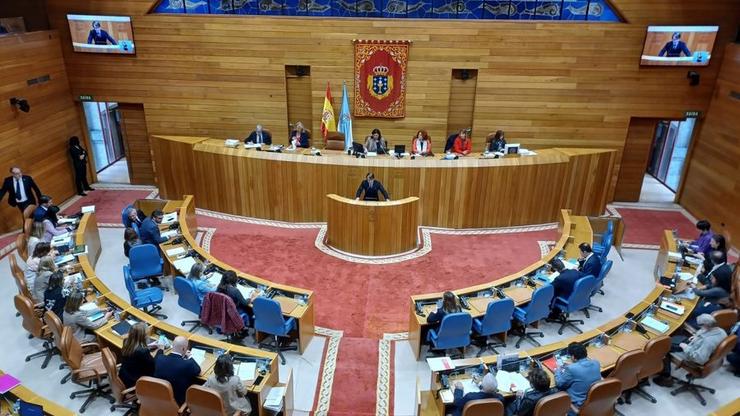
<point>326,382</point>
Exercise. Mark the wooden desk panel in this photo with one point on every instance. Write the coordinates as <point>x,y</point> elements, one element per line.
<point>465,193</point>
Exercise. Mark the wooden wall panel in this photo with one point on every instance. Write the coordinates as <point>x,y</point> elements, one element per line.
<point>546,84</point>
<point>712,180</point>
<point>138,149</point>
<point>36,141</point>
<point>298,101</point>
<point>635,159</point>
<point>462,104</point>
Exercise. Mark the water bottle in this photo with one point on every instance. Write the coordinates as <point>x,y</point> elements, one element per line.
<point>17,407</point>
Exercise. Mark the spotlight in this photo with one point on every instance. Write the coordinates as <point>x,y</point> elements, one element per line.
<point>21,104</point>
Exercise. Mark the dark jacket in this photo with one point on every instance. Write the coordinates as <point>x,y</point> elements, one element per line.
<point>75,152</point>
<point>149,232</point>
<point>564,283</point>
<point>304,138</point>
<point>54,301</point>
<point>241,303</point>
<point>461,400</point>
<point>179,371</point>
<point>136,365</point>
<point>524,406</point>
<point>670,51</point>
<point>100,39</point>
<point>497,145</point>
<point>33,193</point>
<point>371,192</point>
<point>591,267</point>
<point>266,137</point>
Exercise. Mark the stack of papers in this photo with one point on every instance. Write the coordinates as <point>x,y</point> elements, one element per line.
<point>274,400</point>
<point>184,265</point>
<point>198,355</point>
<point>245,371</point>
<point>655,324</point>
<point>67,220</point>
<point>469,386</point>
<point>214,279</point>
<point>231,142</point>
<point>73,279</point>
<point>246,291</point>
<point>63,259</point>
<point>169,218</point>
<point>440,363</point>
<point>570,265</point>
<point>175,251</point>
<point>168,233</point>
<point>551,276</point>
<point>507,379</point>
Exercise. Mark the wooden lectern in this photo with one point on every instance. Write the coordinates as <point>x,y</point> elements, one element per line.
<point>372,228</point>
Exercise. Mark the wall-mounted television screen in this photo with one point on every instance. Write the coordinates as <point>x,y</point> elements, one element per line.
<point>101,34</point>
<point>678,45</point>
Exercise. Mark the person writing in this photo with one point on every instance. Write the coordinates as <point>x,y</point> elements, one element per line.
<point>526,401</point>
<point>488,390</point>
<point>21,189</point>
<point>675,47</point>
<point>229,387</point>
<point>577,377</point>
<point>421,145</point>
<point>370,187</point>
<point>462,145</point>
<point>79,161</point>
<point>99,36</point>
<point>498,142</point>
<point>259,136</point>
<point>177,367</point>
<point>299,136</point>
<point>136,360</point>
<point>376,143</point>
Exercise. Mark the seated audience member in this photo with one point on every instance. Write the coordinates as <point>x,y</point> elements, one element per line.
<point>450,304</point>
<point>697,350</point>
<point>716,293</point>
<point>37,235</point>
<point>498,142</point>
<point>734,356</point>
<point>463,144</point>
<point>716,243</point>
<point>136,358</point>
<point>526,401</point>
<point>701,244</point>
<point>228,287</point>
<point>54,296</point>
<point>134,217</point>
<point>371,187</point>
<point>578,376</point>
<point>201,284</point>
<point>299,136</point>
<point>41,250</point>
<point>229,387</point>
<point>421,145</point>
<point>259,136</point>
<point>51,229</point>
<point>717,265</point>
<point>41,211</point>
<point>588,263</point>
<point>43,273</point>
<point>130,239</point>
<point>375,142</point>
<point>78,320</point>
<point>177,367</point>
<point>488,390</point>
<point>149,230</point>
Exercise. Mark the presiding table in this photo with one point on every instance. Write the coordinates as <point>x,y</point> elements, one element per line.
<point>470,192</point>
<point>372,228</point>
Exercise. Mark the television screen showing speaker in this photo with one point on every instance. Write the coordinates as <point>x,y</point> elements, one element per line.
<point>101,34</point>
<point>678,45</point>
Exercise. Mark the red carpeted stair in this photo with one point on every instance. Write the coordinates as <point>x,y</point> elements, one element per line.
<point>646,226</point>
<point>108,203</point>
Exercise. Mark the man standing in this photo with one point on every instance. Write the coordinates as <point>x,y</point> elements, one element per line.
<point>259,136</point>
<point>21,189</point>
<point>371,187</point>
<point>177,367</point>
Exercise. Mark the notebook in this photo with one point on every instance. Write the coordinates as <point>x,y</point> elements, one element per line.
<point>245,371</point>
<point>198,355</point>
<point>506,380</point>
<point>7,383</point>
<point>655,324</point>
<point>121,328</point>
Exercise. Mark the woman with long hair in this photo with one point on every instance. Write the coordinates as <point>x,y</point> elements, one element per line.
<point>54,296</point>
<point>228,386</point>
<point>299,136</point>
<point>421,144</point>
<point>450,304</point>
<point>37,235</point>
<point>41,250</point>
<point>201,284</point>
<point>376,143</point>
<point>79,321</point>
<point>130,239</point>
<point>43,273</point>
<point>79,161</point>
<point>136,360</point>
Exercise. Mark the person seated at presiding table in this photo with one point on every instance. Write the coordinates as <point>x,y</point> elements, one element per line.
<point>526,401</point>
<point>136,358</point>
<point>695,349</point>
<point>375,142</point>
<point>421,145</point>
<point>450,304</point>
<point>130,239</point>
<point>588,263</point>
<point>299,136</point>
<point>229,387</point>
<point>463,145</point>
<point>178,367</point>
<point>78,320</point>
<point>55,296</point>
<point>498,142</point>
<point>149,230</point>
<point>371,187</point>
<point>259,136</point>
<point>201,285</point>
<point>488,390</point>
<point>577,377</point>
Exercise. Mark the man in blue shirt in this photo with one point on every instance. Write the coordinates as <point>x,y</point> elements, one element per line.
<point>577,377</point>
<point>149,230</point>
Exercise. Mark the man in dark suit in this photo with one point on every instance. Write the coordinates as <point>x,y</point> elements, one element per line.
<point>371,187</point>
<point>21,189</point>
<point>177,367</point>
<point>488,390</point>
<point>566,279</point>
<point>149,230</point>
<point>259,136</point>
<point>42,211</point>
<point>589,263</point>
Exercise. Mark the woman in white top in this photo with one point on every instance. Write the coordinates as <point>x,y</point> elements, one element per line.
<point>45,269</point>
<point>229,387</point>
<point>37,235</point>
<point>42,249</point>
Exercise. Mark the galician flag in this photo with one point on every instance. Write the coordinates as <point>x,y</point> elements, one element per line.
<point>345,119</point>
<point>328,122</point>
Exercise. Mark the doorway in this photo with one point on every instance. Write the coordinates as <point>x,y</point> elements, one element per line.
<point>103,121</point>
<point>669,150</point>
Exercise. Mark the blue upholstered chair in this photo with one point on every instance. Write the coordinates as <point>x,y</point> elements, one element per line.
<point>602,249</point>
<point>453,332</point>
<point>599,283</point>
<point>148,299</point>
<point>537,309</point>
<point>579,300</point>
<point>145,262</point>
<point>187,298</point>
<point>497,320</point>
<point>268,318</point>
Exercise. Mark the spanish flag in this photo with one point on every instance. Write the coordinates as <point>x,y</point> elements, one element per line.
<point>327,115</point>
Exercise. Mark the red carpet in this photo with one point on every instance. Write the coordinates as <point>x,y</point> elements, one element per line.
<point>643,226</point>
<point>108,203</point>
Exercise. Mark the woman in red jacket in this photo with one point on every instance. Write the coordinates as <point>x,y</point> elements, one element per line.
<point>463,145</point>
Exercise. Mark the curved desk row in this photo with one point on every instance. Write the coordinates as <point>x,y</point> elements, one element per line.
<point>619,341</point>
<point>465,193</point>
<point>88,234</point>
<point>21,392</point>
<point>573,231</point>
